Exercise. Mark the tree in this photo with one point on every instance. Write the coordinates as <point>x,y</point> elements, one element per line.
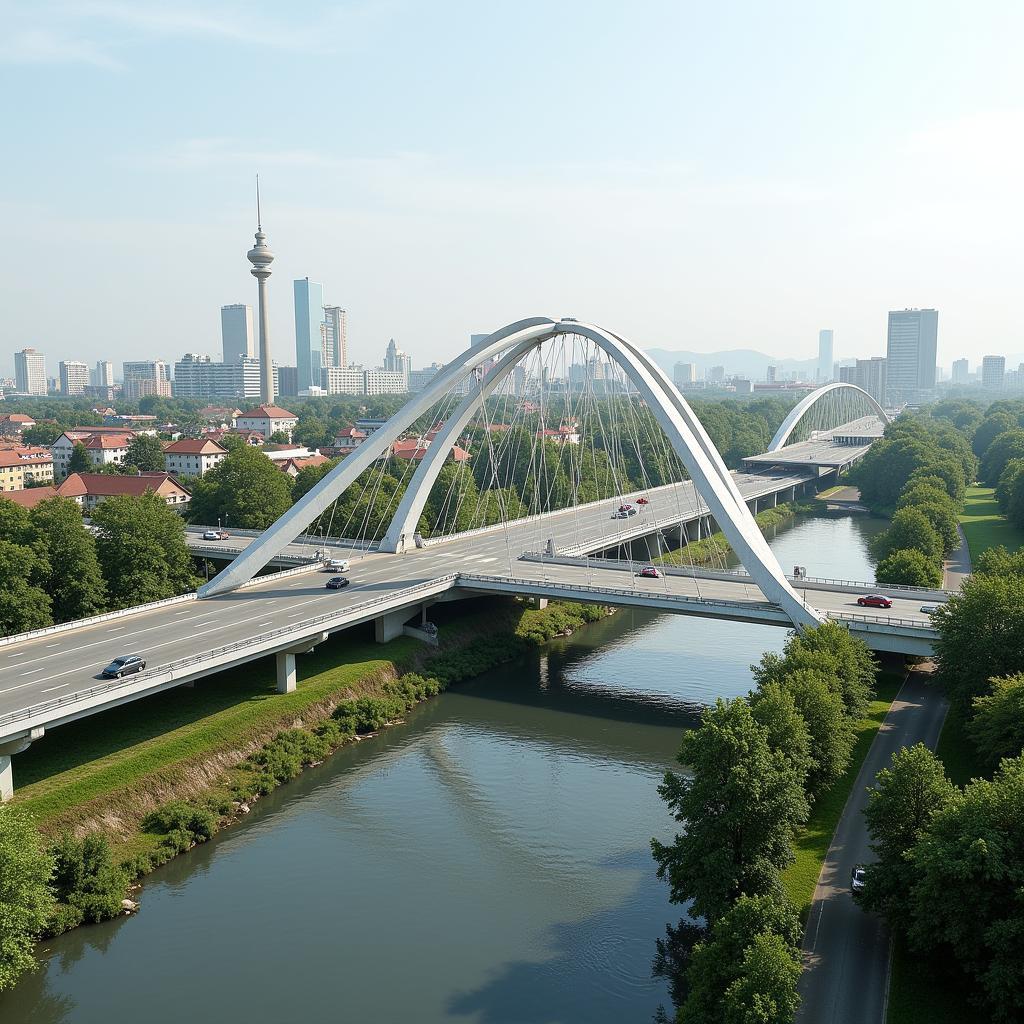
<point>989,429</point>
<point>716,963</point>
<point>24,605</point>
<point>765,991</point>
<point>905,798</point>
<point>142,550</point>
<point>776,712</point>
<point>73,580</point>
<point>25,897</point>
<point>246,490</point>
<point>146,453</point>
<point>42,434</point>
<point>280,437</point>
<point>998,561</point>
<point>981,635</point>
<point>1007,446</point>
<point>829,727</point>
<point>910,529</point>
<point>966,895</point>
<point>79,461</point>
<point>739,805</point>
<point>311,432</point>
<point>87,883</point>
<point>908,568</point>
<point>997,727</point>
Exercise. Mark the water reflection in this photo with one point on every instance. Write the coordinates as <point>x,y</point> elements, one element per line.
<point>486,861</point>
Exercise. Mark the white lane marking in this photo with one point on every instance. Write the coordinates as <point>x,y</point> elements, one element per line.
<point>267,623</point>
<point>32,671</point>
<point>48,646</point>
<point>117,629</point>
<point>16,654</point>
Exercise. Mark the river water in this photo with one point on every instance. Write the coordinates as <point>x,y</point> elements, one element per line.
<point>488,861</point>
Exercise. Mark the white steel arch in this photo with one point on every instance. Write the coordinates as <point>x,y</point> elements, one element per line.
<point>796,414</point>
<point>673,414</point>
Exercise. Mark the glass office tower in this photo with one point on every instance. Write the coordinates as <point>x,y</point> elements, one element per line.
<point>309,316</point>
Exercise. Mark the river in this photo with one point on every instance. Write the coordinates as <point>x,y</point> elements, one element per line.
<point>488,861</point>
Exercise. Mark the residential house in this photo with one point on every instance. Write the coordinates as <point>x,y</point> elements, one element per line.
<point>13,423</point>
<point>31,496</point>
<point>295,464</point>
<point>350,438</point>
<point>268,420</point>
<point>23,465</point>
<point>89,489</point>
<point>103,445</point>
<point>193,456</point>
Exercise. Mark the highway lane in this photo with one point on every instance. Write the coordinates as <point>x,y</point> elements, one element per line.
<point>846,950</point>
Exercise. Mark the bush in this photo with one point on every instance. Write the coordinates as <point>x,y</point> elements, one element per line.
<point>87,884</point>
<point>181,823</point>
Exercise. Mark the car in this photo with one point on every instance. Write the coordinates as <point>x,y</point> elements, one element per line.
<point>858,878</point>
<point>642,501</point>
<point>124,666</point>
<point>631,511</point>
<point>335,565</point>
<point>651,572</point>
<point>338,582</point>
<point>625,508</point>
<point>874,601</point>
<point>619,515</point>
<point>215,535</point>
<point>929,609</point>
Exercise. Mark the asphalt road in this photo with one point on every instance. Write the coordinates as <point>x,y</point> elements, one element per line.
<point>846,950</point>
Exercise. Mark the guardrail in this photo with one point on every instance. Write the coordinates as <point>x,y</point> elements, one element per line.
<point>213,654</point>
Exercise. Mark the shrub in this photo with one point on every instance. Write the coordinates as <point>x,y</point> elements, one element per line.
<point>181,823</point>
<point>86,883</point>
<point>909,568</point>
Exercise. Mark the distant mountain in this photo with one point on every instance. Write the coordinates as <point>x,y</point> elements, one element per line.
<point>743,361</point>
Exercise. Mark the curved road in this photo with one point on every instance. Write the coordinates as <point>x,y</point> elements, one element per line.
<point>846,950</point>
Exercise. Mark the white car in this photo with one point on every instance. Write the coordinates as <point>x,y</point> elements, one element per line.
<point>929,609</point>
<point>215,535</point>
<point>335,565</point>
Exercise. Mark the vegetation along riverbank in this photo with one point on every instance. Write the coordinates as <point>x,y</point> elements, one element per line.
<point>125,792</point>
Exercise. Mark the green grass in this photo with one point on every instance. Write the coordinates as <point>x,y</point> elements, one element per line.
<point>957,752</point>
<point>812,841</point>
<point>113,751</point>
<point>983,524</point>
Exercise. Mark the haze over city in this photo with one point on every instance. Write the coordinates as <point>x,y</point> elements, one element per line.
<point>701,179</point>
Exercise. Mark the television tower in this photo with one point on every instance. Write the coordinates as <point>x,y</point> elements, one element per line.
<point>261,257</point>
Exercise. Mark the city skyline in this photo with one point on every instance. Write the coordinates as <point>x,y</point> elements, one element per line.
<point>758,194</point>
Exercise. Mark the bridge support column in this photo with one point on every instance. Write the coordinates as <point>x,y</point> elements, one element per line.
<point>389,625</point>
<point>539,602</point>
<point>286,674</point>
<point>774,499</point>
<point>7,750</point>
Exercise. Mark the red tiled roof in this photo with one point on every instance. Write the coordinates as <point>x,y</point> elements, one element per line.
<point>195,446</point>
<point>351,432</point>
<point>108,441</point>
<point>24,456</point>
<point>268,412</point>
<point>31,496</point>
<point>108,485</point>
<point>16,417</point>
<point>303,461</point>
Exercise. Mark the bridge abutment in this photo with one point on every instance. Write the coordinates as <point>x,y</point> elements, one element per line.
<point>287,677</point>
<point>389,625</point>
<point>7,751</point>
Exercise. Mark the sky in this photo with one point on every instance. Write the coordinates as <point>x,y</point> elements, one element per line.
<point>691,175</point>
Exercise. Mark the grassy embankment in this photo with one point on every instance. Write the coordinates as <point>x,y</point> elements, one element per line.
<point>984,525</point>
<point>812,841</point>
<point>109,771</point>
<point>713,549</point>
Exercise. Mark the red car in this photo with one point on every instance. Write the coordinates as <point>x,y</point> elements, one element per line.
<point>625,508</point>
<point>874,601</point>
<point>651,572</point>
<point>642,501</point>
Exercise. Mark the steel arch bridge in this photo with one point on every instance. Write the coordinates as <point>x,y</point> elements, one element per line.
<point>512,344</point>
<point>854,395</point>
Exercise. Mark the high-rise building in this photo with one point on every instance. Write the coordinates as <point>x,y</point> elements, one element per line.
<point>335,336</point>
<point>684,373</point>
<point>770,375</point>
<point>717,374</point>
<point>396,361</point>
<point>198,376</point>
<point>309,315</point>
<point>961,371</point>
<point>288,381</point>
<point>343,380</point>
<point>825,348</point>
<point>385,382</point>
<point>30,371</point>
<point>146,377</point>
<point>102,374</point>
<point>419,379</point>
<point>910,355</point>
<point>993,370</point>
<point>869,374</point>
<point>74,377</point>
<point>236,332</point>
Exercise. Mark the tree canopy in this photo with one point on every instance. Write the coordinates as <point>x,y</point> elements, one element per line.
<point>245,490</point>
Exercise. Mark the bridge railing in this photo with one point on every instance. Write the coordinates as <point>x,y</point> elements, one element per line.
<point>215,653</point>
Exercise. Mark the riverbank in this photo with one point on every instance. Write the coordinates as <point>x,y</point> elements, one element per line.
<point>714,549</point>
<point>155,779</point>
<point>984,525</point>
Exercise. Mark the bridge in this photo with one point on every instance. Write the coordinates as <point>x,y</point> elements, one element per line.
<point>50,677</point>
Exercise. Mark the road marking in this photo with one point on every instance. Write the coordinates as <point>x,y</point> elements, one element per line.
<point>50,689</point>
<point>31,671</point>
<point>17,654</point>
<point>267,623</point>
<point>48,646</point>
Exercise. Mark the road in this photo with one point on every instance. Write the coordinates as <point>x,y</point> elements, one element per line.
<point>846,950</point>
<point>957,567</point>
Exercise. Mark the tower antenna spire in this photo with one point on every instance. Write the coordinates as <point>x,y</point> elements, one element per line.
<point>259,218</point>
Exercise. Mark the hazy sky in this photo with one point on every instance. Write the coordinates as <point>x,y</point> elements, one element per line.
<point>692,175</point>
